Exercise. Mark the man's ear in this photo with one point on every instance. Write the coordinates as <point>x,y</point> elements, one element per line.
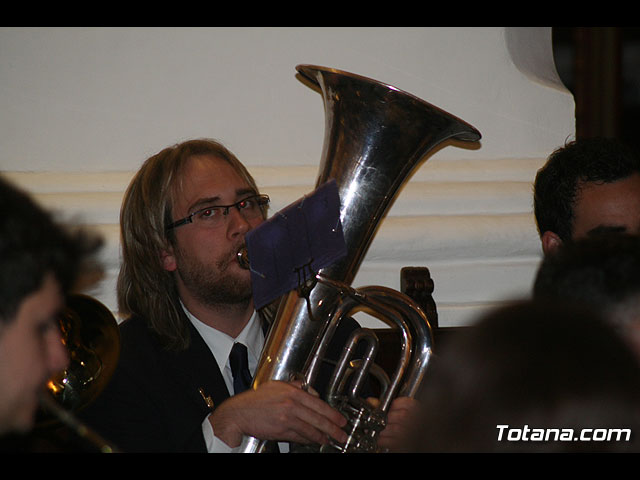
<point>550,242</point>
<point>168,260</point>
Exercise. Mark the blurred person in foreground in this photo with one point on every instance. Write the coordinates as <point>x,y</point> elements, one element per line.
<point>601,273</point>
<point>531,377</point>
<point>40,262</point>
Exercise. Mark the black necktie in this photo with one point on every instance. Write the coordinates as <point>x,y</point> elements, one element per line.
<point>240,368</point>
<point>242,380</point>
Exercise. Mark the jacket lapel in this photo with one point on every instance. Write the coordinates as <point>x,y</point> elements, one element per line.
<point>197,374</point>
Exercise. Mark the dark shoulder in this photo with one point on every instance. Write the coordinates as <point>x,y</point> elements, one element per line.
<point>138,343</point>
<point>134,326</point>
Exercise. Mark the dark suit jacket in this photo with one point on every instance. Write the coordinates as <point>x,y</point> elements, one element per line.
<point>152,403</point>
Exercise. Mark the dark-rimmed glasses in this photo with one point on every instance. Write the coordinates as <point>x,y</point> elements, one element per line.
<point>214,216</point>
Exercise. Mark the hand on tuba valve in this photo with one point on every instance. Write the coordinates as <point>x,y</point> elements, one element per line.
<point>368,417</point>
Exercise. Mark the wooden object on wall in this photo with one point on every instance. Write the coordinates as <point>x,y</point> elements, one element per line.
<point>415,282</point>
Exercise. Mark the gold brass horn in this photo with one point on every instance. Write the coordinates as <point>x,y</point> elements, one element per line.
<point>375,136</point>
<point>91,336</point>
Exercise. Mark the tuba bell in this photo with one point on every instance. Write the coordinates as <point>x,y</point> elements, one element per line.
<point>375,136</point>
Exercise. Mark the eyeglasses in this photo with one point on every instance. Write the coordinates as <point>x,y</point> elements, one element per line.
<point>215,215</point>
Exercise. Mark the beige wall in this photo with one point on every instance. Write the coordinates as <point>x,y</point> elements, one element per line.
<point>83,107</point>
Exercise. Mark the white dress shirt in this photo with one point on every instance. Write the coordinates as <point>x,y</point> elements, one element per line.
<point>220,345</point>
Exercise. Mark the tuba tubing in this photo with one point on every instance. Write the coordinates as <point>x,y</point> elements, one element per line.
<point>416,347</point>
<point>375,137</point>
<point>372,300</point>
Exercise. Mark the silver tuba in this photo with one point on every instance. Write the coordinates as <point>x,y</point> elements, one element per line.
<point>375,136</point>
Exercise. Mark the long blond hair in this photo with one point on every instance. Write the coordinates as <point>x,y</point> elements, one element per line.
<point>144,287</point>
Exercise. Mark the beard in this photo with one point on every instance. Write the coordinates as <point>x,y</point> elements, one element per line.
<point>218,285</point>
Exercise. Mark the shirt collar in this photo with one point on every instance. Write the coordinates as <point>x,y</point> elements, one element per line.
<point>220,343</point>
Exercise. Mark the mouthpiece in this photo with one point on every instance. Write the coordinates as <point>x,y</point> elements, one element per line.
<point>243,258</point>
